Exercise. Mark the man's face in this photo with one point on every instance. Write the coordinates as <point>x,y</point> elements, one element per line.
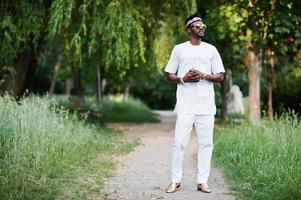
<point>197,29</point>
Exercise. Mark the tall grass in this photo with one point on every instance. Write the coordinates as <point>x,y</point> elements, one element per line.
<point>41,147</point>
<point>263,161</point>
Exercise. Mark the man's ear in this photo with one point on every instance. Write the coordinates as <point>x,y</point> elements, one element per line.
<point>188,30</point>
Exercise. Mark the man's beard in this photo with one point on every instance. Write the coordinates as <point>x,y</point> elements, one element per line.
<point>198,35</point>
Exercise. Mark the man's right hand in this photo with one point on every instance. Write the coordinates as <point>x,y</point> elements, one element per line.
<point>193,76</point>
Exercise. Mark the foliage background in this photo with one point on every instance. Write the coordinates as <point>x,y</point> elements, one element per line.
<point>128,43</point>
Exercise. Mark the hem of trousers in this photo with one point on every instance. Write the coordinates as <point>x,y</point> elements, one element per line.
<point>175,180</point>
<point>202,181</point>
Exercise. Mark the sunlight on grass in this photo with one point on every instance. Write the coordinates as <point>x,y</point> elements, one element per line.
<point>44,148</point>
<point>262,162</point>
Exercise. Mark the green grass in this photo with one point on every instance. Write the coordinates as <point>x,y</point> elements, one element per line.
<point>261,161</point>
<point>112,109</point>
<point>126,111</point>
<point>48,153</point>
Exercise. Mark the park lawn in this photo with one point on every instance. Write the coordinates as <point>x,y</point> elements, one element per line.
<point>261,161</point>
<point>48,153</point>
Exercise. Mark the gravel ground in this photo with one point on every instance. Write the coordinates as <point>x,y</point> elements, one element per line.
<point>145,173</point>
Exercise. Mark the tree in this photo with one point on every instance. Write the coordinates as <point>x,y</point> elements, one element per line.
<point>108,31</point>
<point>22,26</point>
<point>280,38</point>
<point>226,23</point>
<point>262,26</point>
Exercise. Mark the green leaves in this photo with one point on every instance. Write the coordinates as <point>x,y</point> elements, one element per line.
<point>21,26</point>
<point>60,18</point>
<point>77,45</point>
<point>123,34</point>
<point>111,32</point>
<point>16,30</point>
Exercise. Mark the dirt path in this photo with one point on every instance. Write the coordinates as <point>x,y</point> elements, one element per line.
<point>145,173</point>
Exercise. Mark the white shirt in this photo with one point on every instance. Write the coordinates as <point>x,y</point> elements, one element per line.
<point>196,97</point>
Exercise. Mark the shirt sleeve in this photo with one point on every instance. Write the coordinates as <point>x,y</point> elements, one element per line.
<point>173,63</point>
<point>217,63</point>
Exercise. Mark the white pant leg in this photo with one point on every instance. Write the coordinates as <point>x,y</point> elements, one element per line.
<point>183,128</point>
<point>204,127</point>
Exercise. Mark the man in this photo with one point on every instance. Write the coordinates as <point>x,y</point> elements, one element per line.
<point>194,65</point>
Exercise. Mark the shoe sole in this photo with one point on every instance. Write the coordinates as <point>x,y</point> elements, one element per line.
<point>204,191</point>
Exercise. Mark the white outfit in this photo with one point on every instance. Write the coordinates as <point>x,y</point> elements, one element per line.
<point>195,104</point>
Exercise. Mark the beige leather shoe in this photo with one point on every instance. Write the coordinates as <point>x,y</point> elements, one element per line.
<point>173,187</point>
<point>203,187</point>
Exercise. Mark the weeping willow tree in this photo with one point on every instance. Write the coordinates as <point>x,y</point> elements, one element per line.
<point>118,34</point>
<point>122,39</point>
<point>110,32</point>
<point>115,36</point>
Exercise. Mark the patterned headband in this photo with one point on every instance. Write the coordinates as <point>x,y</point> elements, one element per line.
<point>195,19</point>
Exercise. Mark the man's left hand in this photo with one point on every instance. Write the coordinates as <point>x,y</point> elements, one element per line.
<point>196,74</point>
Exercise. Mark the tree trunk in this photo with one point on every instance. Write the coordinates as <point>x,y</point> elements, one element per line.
<point>56,69</point>
<point>127,88</point>
<point>224,111</point>
<point>224,92</point>
<point>77,83</point>
<point>226,85</point>
<point>99,85</point>
<point>270,101</point>
<point>68,86</point>
<point>252,63</point>
<point>15,85</point>
<point>31,72</point>
<point>271,64</point>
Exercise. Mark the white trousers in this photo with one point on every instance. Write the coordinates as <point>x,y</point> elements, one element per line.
<point>204,127</point>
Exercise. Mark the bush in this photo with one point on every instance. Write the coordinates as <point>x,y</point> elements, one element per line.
<point>111,109</point>
<point>131,110</point>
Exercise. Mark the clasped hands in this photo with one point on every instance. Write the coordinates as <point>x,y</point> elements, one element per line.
<point>193,75</point>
